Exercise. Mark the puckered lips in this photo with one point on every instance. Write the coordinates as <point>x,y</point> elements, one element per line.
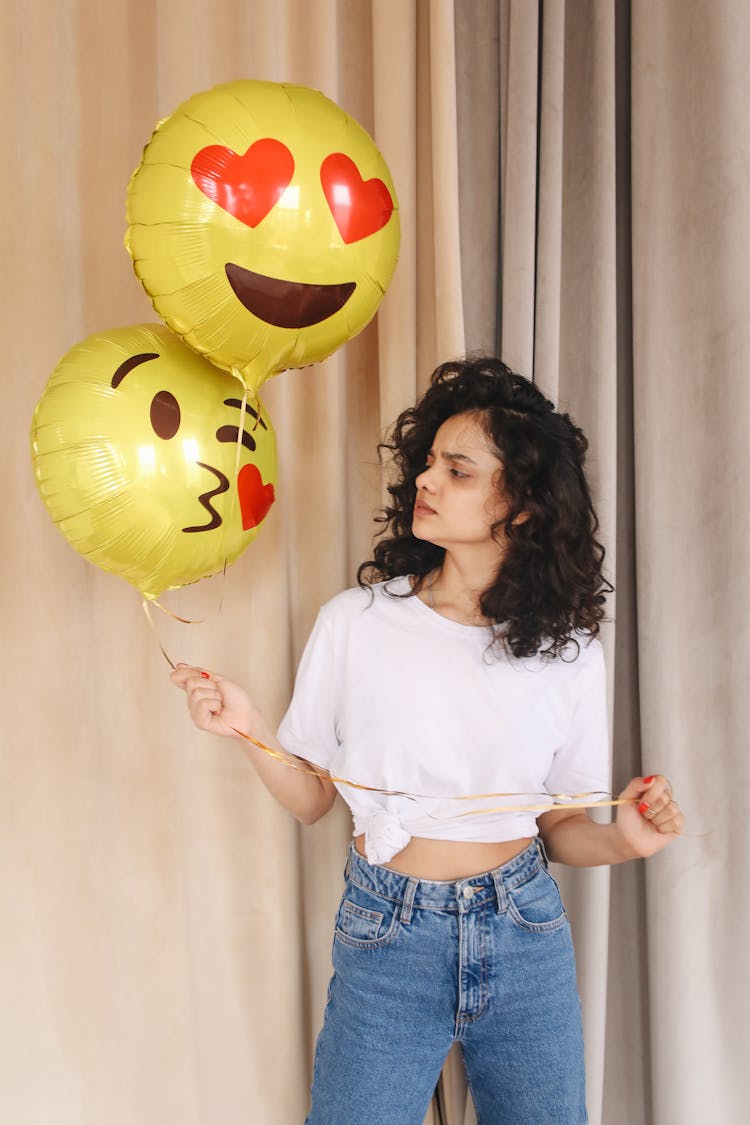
<point>286,304</point>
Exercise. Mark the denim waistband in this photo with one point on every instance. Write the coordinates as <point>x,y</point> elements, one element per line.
<point>457,896</point>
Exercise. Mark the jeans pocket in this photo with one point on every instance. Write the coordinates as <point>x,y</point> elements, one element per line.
<point>365,920</point>
<point>536,905</point>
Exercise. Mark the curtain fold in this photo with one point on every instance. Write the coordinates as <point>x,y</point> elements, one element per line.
<point>572,190</point>
<point>166,927</point>
<point>691,344</point>
<point>556,319</point>
<point>624,128</point>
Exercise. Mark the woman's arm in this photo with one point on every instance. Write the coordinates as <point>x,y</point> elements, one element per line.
<point>221,707</point>
<point>647,823</point>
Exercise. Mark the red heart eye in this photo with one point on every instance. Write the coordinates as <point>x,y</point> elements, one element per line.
<point>359,207</point>
<point>247,185</point>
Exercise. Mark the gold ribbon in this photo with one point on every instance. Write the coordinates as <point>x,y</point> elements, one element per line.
<point>559,800</point>
<point>184,620</point>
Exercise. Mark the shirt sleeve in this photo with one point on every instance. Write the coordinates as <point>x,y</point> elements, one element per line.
<point>309,728</point>
<point>581,765</point>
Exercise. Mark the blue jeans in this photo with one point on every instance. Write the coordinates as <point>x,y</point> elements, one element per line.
<point>418,965</point>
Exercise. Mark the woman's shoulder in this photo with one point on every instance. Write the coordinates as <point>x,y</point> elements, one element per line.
<point>585,647</point>
<point>582,652</point>
<point>350,602</point>
<point>581,663</point>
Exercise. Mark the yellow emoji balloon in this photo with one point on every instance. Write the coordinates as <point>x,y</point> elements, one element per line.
<point>135,445</point>
<point>263,224</point>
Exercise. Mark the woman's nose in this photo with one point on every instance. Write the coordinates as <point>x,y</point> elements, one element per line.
<point>424,480</point>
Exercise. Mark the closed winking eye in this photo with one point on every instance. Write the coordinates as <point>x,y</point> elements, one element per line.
<point>232,433</point>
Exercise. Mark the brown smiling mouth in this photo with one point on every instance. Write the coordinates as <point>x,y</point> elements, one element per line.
<point>286,304</point>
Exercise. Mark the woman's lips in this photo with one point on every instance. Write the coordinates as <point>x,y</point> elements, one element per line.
<point>422,509</point>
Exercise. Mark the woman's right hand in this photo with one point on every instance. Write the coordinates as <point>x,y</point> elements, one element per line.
<point>221,707</point>
<point>215,703</point>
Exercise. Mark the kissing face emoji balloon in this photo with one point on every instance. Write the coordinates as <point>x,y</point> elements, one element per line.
<point>263,224</point>
<point>135,445</point>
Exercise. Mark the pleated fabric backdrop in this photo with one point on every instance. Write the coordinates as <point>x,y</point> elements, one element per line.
<point>616,269</point>
<point>573,191</point>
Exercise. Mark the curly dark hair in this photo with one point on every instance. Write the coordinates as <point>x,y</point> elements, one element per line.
<point>550,586</point>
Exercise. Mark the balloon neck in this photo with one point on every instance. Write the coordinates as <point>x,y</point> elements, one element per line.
<point>252,375</point>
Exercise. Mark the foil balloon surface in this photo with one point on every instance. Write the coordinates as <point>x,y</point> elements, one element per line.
<point>263,224</point>
<point>145,462</point>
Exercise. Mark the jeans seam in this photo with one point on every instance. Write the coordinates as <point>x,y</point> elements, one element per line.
<point>484,976</point>
<point>471,1091</point>
<point>537,927</point>
<point>366,944</point>
<point>398,901</point>
<point>520,879</point>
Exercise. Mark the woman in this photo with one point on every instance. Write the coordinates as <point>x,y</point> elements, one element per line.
<point>461,685</point>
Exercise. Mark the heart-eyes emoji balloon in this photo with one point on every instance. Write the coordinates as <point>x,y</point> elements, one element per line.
<point>263,224</point>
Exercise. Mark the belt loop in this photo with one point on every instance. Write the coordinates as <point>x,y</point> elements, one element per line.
<point>543,851</point>
<point>500,892</point>
<point>407,904</point>
<point>348,865</point>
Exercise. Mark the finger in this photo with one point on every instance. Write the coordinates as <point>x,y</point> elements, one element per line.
<point>667,815</point>
<point>185,674</point>
<point>659,783</point>
<point>182,674</point>
<point>652,809</point>
<point>203,693</point>
<point>672,827</point>
<point>678,825</point>
<point>657,786</point>
<point>654,813</point>
<point>668,821</point>
<point>202,711</point>
<point>200,680</point>
<point>633,790</point>
<point>212,704</point>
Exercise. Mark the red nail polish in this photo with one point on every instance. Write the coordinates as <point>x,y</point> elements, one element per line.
<point>643,807</point>
<point>205,676</point>
<point>648,780</point>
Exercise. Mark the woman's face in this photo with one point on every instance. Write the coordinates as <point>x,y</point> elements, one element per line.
<point>459,497</point>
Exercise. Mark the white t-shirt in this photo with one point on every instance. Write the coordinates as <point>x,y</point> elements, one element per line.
<point>393,695</point>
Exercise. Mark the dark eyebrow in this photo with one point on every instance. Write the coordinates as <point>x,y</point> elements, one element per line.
<point>129,364</point>
<point>454,457</point>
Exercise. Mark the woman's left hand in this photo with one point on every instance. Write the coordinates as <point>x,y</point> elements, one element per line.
<point>652,818</point>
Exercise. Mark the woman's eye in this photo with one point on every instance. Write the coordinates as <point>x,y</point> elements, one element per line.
<point>459,474</point>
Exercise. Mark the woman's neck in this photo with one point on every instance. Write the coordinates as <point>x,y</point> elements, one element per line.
<point>455,589</point>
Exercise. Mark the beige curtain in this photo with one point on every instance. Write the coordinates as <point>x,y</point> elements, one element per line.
<point>165,928</point>
<point>621,142</point>
<point>554,139</point>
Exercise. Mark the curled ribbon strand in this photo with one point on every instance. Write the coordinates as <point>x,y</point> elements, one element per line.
<point>174,616</point>
<point>559,800</point>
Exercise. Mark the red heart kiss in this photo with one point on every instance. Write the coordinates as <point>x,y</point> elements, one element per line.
<point>359,207</point>
<point>246,186</point>
<point>256,497</point>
